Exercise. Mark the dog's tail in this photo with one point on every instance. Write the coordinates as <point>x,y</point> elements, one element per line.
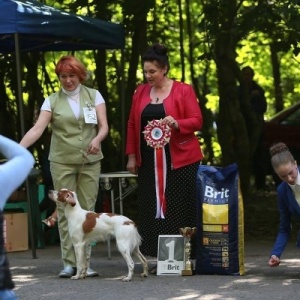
<point>137,239</point>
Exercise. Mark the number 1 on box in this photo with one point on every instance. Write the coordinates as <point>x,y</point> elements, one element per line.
<point>171,246</point>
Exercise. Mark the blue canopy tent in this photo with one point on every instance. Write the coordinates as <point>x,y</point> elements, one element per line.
<point>44,28</point>
<point>28,25</point>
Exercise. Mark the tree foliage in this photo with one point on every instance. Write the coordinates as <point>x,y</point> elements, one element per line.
<point>208,42</point>
<point>227,24</point>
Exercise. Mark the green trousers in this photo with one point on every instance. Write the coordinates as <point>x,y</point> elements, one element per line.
<point>84,179</point>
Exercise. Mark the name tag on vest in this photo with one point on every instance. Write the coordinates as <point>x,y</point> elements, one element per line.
<point>90,115</point>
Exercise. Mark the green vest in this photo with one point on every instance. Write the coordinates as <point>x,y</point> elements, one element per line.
<point>70,136</point>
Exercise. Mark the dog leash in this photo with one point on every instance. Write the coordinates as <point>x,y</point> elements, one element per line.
<point>84,157</point>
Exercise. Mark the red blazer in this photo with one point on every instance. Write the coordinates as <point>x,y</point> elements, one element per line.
<point>183,106</point>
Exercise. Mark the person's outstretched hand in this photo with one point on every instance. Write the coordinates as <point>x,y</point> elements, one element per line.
<point>274,261</point>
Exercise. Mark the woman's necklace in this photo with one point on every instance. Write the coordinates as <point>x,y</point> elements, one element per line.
<point>155,95</point>
<point>74,98</point>
<point>163,89</point>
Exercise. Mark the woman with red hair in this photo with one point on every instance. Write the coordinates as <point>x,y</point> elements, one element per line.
<point>77,116</point>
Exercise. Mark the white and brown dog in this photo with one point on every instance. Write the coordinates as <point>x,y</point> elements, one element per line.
<point>87,226</point>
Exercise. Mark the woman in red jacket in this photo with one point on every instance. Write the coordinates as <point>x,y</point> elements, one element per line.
<point>175,105</point>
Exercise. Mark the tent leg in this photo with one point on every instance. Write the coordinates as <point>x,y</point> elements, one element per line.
<point>123,121</point>
<point>32,234</point>
<point>19,84</point>
<point>21,114</point>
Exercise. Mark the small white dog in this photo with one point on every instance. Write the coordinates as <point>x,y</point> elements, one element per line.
<point>87,226</point>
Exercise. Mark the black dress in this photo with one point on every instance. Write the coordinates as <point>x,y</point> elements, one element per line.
<point>180,192</point>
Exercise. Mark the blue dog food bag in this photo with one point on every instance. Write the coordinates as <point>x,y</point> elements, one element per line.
<point>220,222</point>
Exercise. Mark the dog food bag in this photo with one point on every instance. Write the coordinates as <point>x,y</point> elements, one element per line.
<point>220,224</point>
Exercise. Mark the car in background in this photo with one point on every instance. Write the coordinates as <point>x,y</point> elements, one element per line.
<point>284,127</point>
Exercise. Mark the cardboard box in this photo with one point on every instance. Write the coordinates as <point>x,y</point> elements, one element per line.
<point>15,230</point>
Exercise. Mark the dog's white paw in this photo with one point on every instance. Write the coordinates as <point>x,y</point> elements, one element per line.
<point>82,276</point>
<point>126,279</point>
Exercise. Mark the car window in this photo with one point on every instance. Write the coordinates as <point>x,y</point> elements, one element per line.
<point>292,119</point>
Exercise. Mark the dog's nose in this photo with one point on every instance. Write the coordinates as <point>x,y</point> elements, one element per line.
<point>50,192</point>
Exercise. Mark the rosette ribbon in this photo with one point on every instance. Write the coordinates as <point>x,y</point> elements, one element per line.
<point>157,134</point>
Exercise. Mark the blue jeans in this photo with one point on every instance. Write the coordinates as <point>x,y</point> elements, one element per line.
<point>8,295</point>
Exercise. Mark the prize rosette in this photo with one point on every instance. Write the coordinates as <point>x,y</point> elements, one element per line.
<point>157,134</point>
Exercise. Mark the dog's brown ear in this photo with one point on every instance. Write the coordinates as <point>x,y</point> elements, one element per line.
<point>71,198</point>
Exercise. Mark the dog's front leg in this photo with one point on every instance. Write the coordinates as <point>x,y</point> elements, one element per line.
<point>80,260</point>
<point>88,251</point>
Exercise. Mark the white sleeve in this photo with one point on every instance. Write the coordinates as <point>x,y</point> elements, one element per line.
<point>13,172</point>
<point>46,105</point>
<point>99,99</point>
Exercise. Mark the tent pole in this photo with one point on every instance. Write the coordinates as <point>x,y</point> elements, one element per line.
<point>19,83</point>
<point>123,121</point>
<point>21,114</point>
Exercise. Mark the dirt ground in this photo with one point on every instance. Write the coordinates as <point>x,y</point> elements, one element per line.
<point>37,279</point>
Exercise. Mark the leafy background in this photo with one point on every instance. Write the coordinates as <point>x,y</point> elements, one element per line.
<point>209,41</point>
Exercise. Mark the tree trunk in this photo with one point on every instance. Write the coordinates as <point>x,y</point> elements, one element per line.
<point>277,80</point>
<point>207,126</point>
<point>232,129</point>
<point>181,37</point>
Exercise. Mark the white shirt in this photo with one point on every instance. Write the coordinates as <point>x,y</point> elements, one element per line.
<point>296,188</point>
<point>73,99</point>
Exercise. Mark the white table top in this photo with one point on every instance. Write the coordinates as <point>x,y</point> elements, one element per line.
<point>119,174</point>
